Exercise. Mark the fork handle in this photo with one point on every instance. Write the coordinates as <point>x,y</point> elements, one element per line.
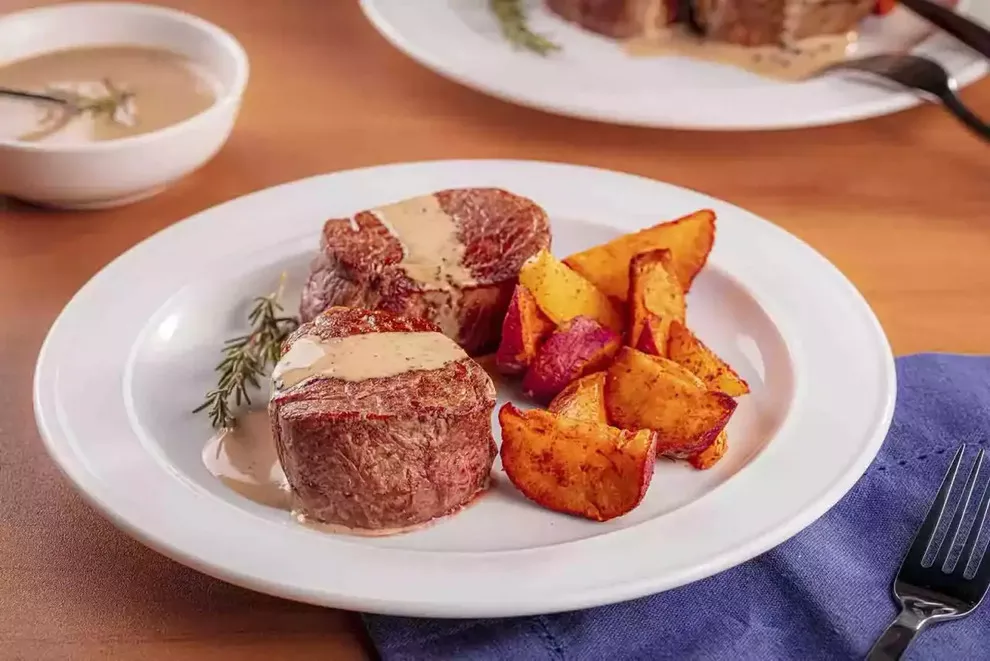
<point>895,639</point>
<point>962,28</point>
<point>965,115</point>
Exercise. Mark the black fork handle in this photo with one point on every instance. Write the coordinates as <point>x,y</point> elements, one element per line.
<point>962,28</point>
<point>895,639</point>
<point>965,115</point>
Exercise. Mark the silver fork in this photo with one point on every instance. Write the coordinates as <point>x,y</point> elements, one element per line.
<point>930,594</point>
<point>920,74</point>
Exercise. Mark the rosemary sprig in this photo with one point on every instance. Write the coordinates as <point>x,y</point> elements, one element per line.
<point>246,359</point>
<point>512,20</point>
<point>115,100</point>
<point>116,104</point>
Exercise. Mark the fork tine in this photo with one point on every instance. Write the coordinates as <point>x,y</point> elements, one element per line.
<point>927,530</point>
<point>952,533</point>
<point>983,570</point>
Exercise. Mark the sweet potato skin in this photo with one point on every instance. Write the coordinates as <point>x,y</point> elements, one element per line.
<point>649,392</point>
<point>579,346</point>
<point>689,239</point>
<point>524,330</point>
<point>684,348</point>
<point>653,292</point>
<point>583,399</point>
<point>712,454</point>
<point>576,467</point>
<point>563,294</point>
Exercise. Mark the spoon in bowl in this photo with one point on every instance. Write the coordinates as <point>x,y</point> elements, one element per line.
<point>34,96</point>
<point>117,104</point>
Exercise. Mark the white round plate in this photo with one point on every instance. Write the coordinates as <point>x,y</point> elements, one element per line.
<point>592,78</point>
<point>133,353</point>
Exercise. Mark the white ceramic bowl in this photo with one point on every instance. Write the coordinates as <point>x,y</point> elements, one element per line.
<point>115,172</point>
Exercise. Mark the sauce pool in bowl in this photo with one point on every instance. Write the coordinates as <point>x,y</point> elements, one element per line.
<point>122,91</point>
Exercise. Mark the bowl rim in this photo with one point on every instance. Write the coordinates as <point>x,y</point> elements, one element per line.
<point>231,95</point>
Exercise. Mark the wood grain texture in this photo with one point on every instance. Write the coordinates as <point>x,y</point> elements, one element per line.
<point>899,203</point>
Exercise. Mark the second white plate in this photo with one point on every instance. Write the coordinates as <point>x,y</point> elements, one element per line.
<point>133,353</point>
<point>592,78</point>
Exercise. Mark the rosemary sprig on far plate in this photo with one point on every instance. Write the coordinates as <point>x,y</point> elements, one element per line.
<point>512,20</point>
<point>246,359</point>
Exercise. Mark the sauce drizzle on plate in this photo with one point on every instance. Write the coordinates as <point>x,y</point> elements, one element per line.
<point>791,63</point>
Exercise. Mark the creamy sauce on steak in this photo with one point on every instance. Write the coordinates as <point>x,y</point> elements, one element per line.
<point>245,460</point>
<point>432,253</point>
<point>361,357</point>
<point>794,62</point>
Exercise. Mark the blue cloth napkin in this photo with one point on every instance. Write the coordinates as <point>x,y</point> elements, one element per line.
<point>824,594</point>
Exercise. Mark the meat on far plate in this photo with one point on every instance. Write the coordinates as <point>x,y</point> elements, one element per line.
<point>743,22</point>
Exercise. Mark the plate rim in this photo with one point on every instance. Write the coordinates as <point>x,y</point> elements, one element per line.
<point>891,103</point>
<point>756,545</point>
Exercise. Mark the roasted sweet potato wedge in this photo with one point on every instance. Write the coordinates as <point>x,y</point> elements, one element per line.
<point>685,349</point>
<point>573,466</point>
<point>653,292</point>
<point>524,330</point>
<point>583,399</point>
<point>653,337</point>
<point>564,294</point>
<point>689,239</point>
<point>710,456</point>
<point>649,392</point>
<point>578,347</point>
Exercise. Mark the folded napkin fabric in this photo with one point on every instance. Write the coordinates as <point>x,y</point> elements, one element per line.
<point>824,594</point>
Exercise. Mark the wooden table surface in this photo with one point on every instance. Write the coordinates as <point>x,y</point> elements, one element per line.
<point>899,203</point>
